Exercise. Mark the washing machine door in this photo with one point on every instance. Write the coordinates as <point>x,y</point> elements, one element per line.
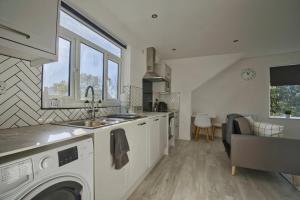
<point>67,190</point>
<point>59,189</point>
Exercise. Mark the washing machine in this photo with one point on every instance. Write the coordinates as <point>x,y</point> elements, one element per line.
<point>62,173</point>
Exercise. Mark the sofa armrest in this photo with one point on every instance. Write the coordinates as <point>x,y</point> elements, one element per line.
<point>266,153</point>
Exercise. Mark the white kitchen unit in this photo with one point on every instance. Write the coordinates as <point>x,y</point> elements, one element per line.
<point>176,117</point>
<point>137,135</point>
<point>29,29</point>
<point>146,149</point>
<point>109,183</point>
<point>154,140</point>
<point>163,135</point>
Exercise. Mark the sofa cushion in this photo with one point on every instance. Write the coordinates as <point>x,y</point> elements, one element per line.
<point>251,122</point>
<point>242,126</point>
<point>269,130</point>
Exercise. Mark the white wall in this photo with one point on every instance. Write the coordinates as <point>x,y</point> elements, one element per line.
<point>134,67</point>
<point>190,73</point>
<point>137,67</point>
<point>228,92</point>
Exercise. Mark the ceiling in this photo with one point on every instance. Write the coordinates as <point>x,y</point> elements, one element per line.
<point>208,27</point>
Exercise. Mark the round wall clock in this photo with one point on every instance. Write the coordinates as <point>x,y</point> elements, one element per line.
<point>248,74</point>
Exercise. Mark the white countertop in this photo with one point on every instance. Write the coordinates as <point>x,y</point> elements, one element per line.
<point>16,140</point>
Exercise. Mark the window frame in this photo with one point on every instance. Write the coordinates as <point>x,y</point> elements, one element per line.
<point>93,29</point>
<point>71,78</point>
<point>95,47</point>
<point>74,101</point>
<point>106,79</point>
<point>282,116</point>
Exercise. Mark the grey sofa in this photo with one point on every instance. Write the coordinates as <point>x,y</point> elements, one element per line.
<point>262,153</point>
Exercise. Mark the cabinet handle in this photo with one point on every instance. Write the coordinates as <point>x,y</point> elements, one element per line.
<point>141,124</point>
<point>164,116</point>
<point>156,119</point>
<point>14,31</point>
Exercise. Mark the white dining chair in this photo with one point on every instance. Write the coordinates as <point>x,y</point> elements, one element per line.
<point>202,123</point>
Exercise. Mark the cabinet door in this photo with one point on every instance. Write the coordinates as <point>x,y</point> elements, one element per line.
<point>163,134</point>
<point>138,163</point>
<point>109,183</point>
<point>154,141</point>
<point>31,23</point>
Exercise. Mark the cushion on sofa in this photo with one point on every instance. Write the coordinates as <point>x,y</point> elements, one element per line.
<point>269,130</point>
<point>242,126</point>
<point>251,122</point>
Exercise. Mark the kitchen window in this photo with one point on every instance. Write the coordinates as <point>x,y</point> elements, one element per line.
<point>56,76</point>
<point>112,79</point>
<point>285,91</point>
<point>75,26</point>
<point>85,58</point>
<point>91,71</point>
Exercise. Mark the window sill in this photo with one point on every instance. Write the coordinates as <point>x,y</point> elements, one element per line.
<point>70,103</point>
<point>282,117</point>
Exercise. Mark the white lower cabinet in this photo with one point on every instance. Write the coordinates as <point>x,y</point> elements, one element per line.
<point>163,134</point>
<point>144,137</point>
<point>138,154</point>
<point>110,184</point>
<point>154,139</point>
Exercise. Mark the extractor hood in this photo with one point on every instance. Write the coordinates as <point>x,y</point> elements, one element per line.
<point>151,75</point>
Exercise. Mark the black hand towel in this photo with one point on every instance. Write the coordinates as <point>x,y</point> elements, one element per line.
<point>119,148</point>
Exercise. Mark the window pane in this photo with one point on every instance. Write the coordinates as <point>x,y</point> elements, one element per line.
<point>56,74</point>
<point>91,70</point>
<point>77,27</point>
<point>283,99</point>
<point>112,80</point>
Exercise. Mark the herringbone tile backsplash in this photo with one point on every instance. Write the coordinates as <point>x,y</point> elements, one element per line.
<point>20,105</point>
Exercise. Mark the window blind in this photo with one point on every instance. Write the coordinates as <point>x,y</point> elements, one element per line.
<point>285,75</point>
<point>92,24</point>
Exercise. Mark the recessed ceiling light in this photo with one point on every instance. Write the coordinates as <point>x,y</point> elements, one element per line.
<point>174,49</point>
<point>154,16</point>
<point>235,41</point>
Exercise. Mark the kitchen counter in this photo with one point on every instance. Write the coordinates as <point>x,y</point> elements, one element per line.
<point>16,140</point>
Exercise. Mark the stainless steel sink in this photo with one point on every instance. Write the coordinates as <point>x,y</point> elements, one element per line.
<point>128,116</point>
<point>97,123</point>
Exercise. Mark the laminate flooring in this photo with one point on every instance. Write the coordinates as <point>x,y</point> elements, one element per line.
<point>202,171</point>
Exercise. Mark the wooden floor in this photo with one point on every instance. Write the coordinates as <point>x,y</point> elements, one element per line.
<point>201,171</point>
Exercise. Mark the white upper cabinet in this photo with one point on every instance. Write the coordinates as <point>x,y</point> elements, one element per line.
<point>29,29</point>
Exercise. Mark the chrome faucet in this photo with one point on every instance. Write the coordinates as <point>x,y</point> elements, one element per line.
<point>93,114</point>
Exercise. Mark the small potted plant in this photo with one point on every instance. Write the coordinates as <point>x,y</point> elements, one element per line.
<point>288,113</point>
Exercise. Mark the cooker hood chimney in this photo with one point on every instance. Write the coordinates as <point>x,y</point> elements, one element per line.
<point>151,75</point>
